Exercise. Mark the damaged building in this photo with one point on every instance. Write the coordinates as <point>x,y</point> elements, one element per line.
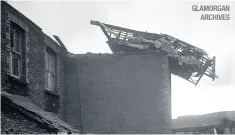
<point>185,60</point>
<point>32,77</point>
<point>128,91</point>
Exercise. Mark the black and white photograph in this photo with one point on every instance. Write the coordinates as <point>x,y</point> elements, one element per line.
<point>117,66</point>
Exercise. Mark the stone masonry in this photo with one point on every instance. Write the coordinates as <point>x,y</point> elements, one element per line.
<point>35,43</point>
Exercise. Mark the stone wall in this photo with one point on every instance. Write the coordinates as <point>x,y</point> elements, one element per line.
<point>32,81</point>
<point>52,99</point>
<point>9,16</point>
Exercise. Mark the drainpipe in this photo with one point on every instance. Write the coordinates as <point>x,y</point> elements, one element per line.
<point>80,95</point>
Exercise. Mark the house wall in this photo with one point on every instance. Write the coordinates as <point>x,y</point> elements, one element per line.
<point>9,15</point>
<point>122,93</point>
<point>32,82</point>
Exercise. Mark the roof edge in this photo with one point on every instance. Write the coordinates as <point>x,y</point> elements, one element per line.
<point>10,6</point>
<point>17,101</point>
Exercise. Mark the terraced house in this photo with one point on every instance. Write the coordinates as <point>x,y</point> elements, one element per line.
<point>46,89</point>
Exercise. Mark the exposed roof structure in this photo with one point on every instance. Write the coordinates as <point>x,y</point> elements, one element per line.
<point>25,106</point>
<point>186,61</point>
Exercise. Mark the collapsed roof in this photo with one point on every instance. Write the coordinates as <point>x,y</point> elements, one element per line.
<point>186,61</point>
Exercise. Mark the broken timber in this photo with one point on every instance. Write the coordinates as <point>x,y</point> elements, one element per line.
<point>186,61</point>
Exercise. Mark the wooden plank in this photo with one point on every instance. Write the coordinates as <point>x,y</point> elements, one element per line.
<point>106,33</point>
<point>123,29</point>
<point>213,68</point>
<point>59,41</point>
<point>204,70</point>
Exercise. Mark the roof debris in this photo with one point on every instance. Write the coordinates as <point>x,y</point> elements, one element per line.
<point>186,60</point>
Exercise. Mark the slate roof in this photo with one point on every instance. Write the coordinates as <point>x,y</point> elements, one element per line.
<point>24,105</point>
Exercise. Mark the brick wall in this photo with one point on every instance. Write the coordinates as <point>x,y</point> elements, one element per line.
<point>72,94</point>
<point>121,93</point>
<point>62,82</point>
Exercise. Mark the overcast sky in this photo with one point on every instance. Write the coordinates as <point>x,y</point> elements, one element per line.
<point>71,22</point>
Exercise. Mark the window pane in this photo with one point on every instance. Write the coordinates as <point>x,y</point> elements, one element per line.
<point>50,81</point>
<point>53,64</point>
<point>17,42</point>
<point>50,64</point>
<point>20,41</point>
<point>12,37</point>
<point>47,63</point>
<point>47,86</point>
<point>15,64</point>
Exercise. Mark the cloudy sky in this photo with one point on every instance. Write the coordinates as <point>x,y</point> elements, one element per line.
<point>71,22</point>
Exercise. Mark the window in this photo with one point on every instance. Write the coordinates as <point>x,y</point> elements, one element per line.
<point>17,35</point>
<point>50,70</point>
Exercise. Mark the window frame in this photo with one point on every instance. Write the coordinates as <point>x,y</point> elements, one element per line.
<point>49,71</point>
<point>16,32</point>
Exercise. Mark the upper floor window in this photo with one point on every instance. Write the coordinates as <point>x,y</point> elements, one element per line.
<point>17,35</point>
<point>50,70</point>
